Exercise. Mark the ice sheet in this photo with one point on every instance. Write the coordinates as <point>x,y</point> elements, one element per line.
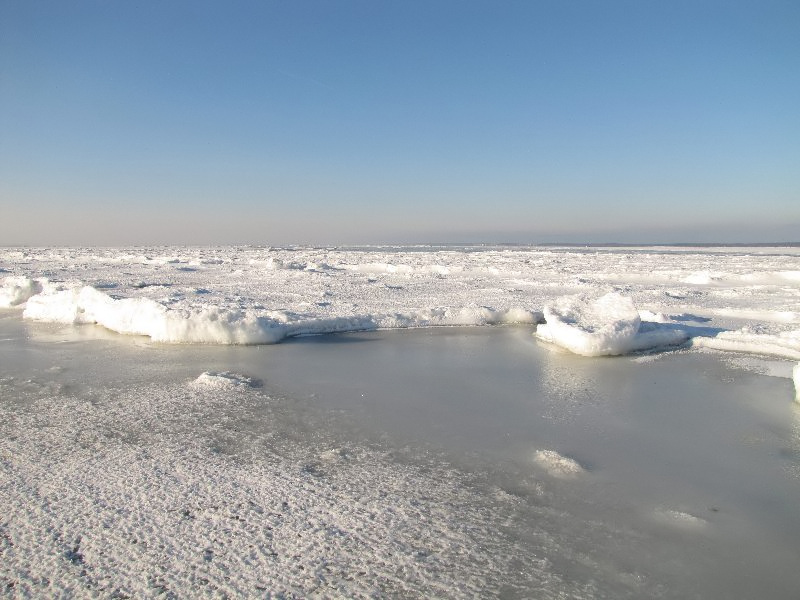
<point>450,462</point>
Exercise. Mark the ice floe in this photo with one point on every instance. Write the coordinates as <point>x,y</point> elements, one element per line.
<point>605,326</point>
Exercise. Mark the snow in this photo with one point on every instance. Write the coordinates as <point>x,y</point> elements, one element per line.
<point>17,290</point>
<point>142,469</point>
<point>224,380</point>
<point>589,301</point>
<point>785,344</point>
<point>796,377</point>
<point>175,493</point>
<point>557,465</point>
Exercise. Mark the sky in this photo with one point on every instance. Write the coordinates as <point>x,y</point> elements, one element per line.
<point>353,122</point>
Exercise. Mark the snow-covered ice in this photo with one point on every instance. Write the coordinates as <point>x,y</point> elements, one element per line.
<point>606,326</point>
<point>591,301</point>
<point>17,290</point>
<point>195,455</point>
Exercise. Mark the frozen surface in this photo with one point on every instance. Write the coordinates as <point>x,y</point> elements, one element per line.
<point>443,463</point>
<point>796,376</point>
<point>595,301</point>
<point>475,461</point>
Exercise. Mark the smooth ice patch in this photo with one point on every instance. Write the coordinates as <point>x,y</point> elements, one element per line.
<point>557,465</point>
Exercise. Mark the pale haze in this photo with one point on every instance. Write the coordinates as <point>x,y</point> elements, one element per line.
<point>370,122</point>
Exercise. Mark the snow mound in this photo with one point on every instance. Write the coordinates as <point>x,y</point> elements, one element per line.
<point>557,465</point>
<point>17,290</point>
<point>225,380</point>
<point>606,326</point>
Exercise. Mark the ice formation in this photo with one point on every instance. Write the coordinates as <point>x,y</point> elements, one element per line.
<point>209,486</point>
<point>17,290</point>
<point>609,325</point>
<point>557,465</point>
<point>596,301</point>
<point>784,344</point>
<point>211,324</point>
<point>224,380</point>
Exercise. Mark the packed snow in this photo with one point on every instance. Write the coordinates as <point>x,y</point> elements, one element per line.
<point>590,301</point>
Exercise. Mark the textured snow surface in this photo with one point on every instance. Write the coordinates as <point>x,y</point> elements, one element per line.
<point>590,301</point>
<point>202,490</point>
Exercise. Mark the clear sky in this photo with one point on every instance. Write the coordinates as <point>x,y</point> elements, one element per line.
<point>410,121</point>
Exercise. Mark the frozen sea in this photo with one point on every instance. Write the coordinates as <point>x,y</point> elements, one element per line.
<point>428,421</point>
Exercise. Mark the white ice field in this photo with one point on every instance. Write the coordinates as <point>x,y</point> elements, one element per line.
<point>603,422</point>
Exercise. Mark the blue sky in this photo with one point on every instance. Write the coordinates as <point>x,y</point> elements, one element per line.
<point>369,121</point>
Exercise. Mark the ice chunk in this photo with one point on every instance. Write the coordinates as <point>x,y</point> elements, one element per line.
<point>225,380</point>
<point>606,326</point>
<point>17,290</point>
<point>557,465</point>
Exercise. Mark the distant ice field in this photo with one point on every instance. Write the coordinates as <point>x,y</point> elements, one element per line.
<point>591,301</point>
<point>546,423</point>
